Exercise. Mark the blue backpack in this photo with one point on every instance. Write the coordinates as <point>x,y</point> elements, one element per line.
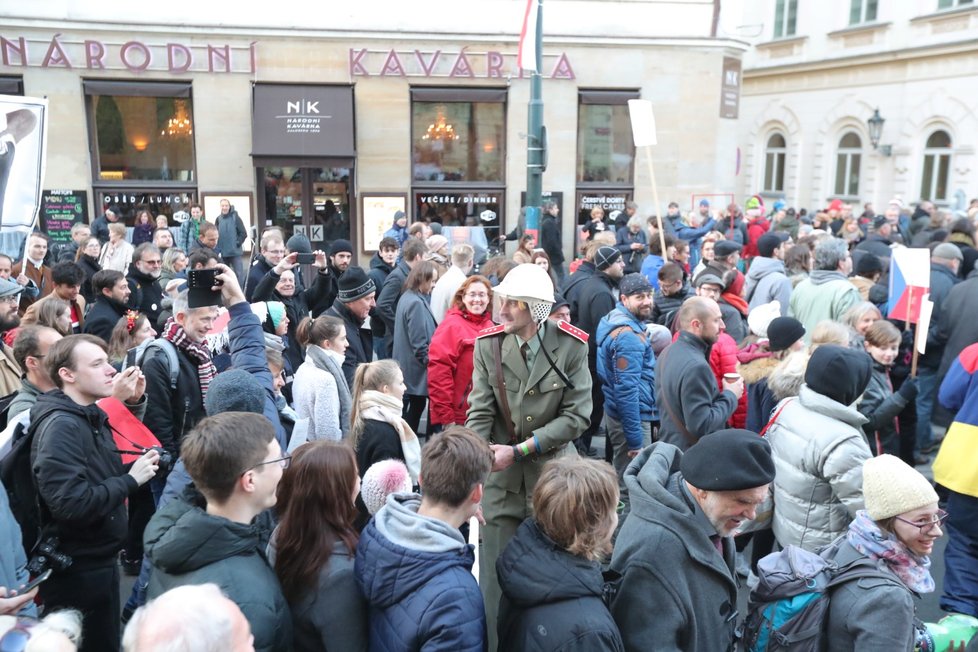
<point>789,607</point>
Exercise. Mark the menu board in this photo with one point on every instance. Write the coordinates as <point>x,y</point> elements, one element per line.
<point>62,209</point>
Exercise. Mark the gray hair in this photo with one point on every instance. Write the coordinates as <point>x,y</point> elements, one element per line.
<point>181,303</point>
<point>635,220</point>
<point>189,618</point>
<point>829,253</point>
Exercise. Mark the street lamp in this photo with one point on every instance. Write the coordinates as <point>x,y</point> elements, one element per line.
<point>875,124</point>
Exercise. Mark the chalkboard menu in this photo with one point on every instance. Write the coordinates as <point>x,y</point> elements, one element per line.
<point>62,209</point>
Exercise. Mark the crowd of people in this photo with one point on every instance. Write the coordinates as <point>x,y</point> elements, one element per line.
<point>291,454</point>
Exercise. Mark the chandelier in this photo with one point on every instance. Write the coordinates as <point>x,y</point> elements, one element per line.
<point>440,130</point>
<point>179,126</point>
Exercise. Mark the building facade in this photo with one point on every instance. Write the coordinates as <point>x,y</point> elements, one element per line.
<point>819,71</point>
<point>326,122</point>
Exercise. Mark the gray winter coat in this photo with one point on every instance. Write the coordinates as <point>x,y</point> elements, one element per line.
<point>415,325</point>
<point>819,449</point>
<point>767,282</point>
<point>870,614</point>
<point>333,615</point>
<point>231,234</point>
<point>676,591</point>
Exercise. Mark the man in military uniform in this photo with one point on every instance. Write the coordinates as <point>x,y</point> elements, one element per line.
<point>531,396</point>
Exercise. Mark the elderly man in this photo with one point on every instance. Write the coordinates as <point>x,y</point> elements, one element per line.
<point>827,292</point>
<point>675,551</point>
<point>690,403</point>
<point>531,396</point>
<point>355,299</point>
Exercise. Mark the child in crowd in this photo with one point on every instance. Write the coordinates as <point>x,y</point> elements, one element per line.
<point>879,403</point>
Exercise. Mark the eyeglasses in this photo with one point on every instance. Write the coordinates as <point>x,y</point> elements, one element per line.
<point>926,526</point>
<point>10,298</point>
<point>476,295</point>
<point>282,461</point>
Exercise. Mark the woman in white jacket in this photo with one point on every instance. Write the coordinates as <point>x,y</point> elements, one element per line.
<point>319,392</point>
<point>819,449</point>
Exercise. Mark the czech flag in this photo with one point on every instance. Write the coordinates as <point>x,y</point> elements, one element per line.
<point>526,57</point>
<point>909,283</point>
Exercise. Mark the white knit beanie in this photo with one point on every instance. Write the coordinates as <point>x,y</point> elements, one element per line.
<point>382,479</point>
<point>761,317</point>
<point>892,487</point>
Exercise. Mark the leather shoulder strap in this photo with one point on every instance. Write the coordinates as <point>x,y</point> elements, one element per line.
<point>497,356</point>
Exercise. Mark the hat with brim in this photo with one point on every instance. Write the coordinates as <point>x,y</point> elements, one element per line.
<point>725,248</point>
<point>9,288</point>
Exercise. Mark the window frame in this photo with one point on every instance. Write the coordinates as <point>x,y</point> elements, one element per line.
<point>461,95</point>
<point>939,160</point>
<point>848,153</point>
<point>785,18</point>
<point>861,9</point>
<point>780,154</point>
<point>943,5</point>
<point>602,97</point>
<point>118,88</point>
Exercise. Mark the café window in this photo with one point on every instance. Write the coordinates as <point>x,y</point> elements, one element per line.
<point>605,150</point>
<point>141,131</point>
<point>458,135</point>
<point>10,85</point>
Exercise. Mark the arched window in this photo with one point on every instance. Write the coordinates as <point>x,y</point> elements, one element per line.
<point>937,166</point>
<point>774,156</point>
<point>847,163</point>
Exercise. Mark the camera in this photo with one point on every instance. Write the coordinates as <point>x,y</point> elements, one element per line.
<point>165,464</point>
<point>46,556</point>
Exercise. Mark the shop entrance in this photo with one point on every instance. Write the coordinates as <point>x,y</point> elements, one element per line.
<point>314,201</point>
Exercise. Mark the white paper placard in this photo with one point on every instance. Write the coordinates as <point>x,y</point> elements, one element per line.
<point>643,122</point>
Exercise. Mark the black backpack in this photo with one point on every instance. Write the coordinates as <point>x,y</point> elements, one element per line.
<point>5,402</point>
<point>18,481</point>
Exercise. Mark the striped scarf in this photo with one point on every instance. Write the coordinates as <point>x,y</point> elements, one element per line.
<point>197,351</point>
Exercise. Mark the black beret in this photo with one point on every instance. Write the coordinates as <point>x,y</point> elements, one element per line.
<point>724,248</point>
<point>728,460</point>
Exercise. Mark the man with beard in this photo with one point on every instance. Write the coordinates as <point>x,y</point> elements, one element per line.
<point>340,257</point>
<point>145,293</point>
<point>112,292</point>
<point>9,319</point>
<point>163,239</point>
<point>626,365</point>
<point>690,404</point>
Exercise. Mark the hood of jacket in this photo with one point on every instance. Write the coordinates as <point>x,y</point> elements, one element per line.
<point>761,267</point>
<point>378,263</point>
<point>57,401</point>
<point>406,550</point>
<point>182,537</point>
<point>533,570</point>
<point>615,319</point>
<point>823,276</point>
<point>652,488</point>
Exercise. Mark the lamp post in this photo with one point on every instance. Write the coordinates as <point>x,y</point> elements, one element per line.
<point>536,135</point>
<point>875,124</point>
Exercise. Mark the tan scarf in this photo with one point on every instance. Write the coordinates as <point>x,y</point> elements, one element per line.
<point>384,407</point>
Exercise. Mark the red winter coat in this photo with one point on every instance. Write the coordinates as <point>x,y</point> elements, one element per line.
<point>450,365</point>
<point>755,229</point>
<point>723,360</point>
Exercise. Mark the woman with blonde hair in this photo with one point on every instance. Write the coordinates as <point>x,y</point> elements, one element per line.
<point>550,572</point>
<point>377,429</point>
<point>859,318</point>
<point>51,312</point>
<point>116,253</point>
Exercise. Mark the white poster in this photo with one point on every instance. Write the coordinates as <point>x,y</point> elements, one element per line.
<point>643,122</point>
<point>23,145</point>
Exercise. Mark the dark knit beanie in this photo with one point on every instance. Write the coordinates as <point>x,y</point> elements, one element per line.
<point>355,284</point>
<point>605,257</point>
<point>868,264</point>
<point>299,244</point>
<point>234,390</point>
<point>782,332</point>
<point>728,460</point>
<point>340,246</point>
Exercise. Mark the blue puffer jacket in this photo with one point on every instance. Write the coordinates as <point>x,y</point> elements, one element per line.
<point>626,365</point>
<point>416,574</point>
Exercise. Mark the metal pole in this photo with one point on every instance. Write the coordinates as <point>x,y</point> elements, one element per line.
<point>534,135</point>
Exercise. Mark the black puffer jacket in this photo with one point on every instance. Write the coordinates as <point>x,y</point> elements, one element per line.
<point>80,478</point>
<point>186,545</point>
<point>552,600</point>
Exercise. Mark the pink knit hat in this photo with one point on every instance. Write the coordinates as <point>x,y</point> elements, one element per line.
<point>381,480</point>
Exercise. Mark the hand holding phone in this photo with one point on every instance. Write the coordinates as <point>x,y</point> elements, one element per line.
<point>34,583</point>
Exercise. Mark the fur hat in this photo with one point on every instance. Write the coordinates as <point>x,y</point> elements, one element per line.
<point>892,487</point>
<point>234,390</point>
<point>381,480</point>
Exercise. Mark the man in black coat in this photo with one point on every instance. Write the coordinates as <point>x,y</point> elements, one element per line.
<point>112,292</point>
<point>82,484</point>
<point>878,242</point>
<point>381,265</point>
<point>596,298</point>
<point>550,239</point>
<point>353,305</point>
<point>145,293</point>
<point>412,252</point>
<point>571,285</point>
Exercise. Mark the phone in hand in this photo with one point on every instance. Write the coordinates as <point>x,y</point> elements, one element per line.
<point>33,584</point>
<point>305,259</point>
<point>199,292</point>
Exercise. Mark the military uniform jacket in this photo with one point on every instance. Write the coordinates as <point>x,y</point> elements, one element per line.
<point>540,402</point>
